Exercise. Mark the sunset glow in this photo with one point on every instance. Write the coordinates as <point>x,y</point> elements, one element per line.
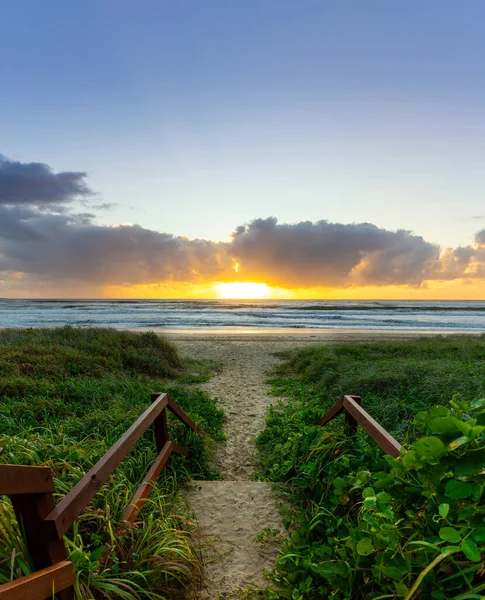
<point>241,290</point>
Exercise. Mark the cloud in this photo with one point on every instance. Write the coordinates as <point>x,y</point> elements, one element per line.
<point>309,254</point>
<point>37,184</point>
<point>480,237</point>
<point>44,240</point>
<point>73,247</point>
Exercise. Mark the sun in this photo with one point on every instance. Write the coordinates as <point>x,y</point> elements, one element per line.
<point>242,290</point>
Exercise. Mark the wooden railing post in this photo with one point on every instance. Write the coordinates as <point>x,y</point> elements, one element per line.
<point>45,546</point>
<point>160,425</point>
<point>351,424</point>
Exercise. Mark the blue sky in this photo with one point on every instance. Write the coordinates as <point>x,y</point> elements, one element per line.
<point>193,117</point>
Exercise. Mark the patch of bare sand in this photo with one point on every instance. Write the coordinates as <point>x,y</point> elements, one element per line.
<point>241,391</point>
<point>232,512</point>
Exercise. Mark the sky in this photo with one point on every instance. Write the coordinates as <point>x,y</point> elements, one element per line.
<point>322,148</point>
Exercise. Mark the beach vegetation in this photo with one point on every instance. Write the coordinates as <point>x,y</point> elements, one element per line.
<point>363,525</point>
<point>67,396</point>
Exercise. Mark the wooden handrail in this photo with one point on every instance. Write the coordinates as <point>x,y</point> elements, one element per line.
<point>20,479</point>
<point>356,415</point>
<point>72,505</point>
<point>145,488</point>
<point>44,523</point>
<point>41,584</point>
<point>175,409</point>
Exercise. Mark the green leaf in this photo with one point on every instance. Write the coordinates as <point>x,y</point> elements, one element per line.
<point>458,442</point>
<point>443,425</point>
<point>383,498</point>
<point>457,490</point>
<point>401,589</point>
<point>478,403</point>
<point>471,551</point>
<point>367,492</point>
<point>96,553</point>
<point>465,428</point>
<point>421,418</point>
<point>392,572</point>
<point>476,431</point>
<point>429,447</point>
<point>450,534</point>
<point>478,534</point>
<point>444,509</point>
<point>409,460</point>
<point>365,547</point>
<point>439,411</point>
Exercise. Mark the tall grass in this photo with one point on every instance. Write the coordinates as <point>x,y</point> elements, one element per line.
<point>67,395</point>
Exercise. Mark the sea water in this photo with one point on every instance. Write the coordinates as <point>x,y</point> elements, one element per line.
<point>252,315</point>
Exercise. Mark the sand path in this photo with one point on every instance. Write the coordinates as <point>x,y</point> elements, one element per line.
<point>232,512</point>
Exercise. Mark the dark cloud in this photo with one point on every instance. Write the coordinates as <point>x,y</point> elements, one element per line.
<point>37,184</point>
<point>333,254</point>
<point>62,247</point>
<point>480,237</point>
<point>42,239</point>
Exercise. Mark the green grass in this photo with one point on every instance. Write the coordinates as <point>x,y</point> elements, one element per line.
<point>329,477</point>
<point>67,396</point>
<point>395,379</point>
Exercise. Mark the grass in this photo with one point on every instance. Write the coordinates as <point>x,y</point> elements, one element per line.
<point>395,379</point>
<point>67,396</point>
<point>335,547</point>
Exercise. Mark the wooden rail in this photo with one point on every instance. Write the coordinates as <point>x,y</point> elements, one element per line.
<point>44,523</point>
<point>355,415</point>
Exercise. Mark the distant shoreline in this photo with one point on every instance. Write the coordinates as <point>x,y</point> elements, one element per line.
<point>298,335</point>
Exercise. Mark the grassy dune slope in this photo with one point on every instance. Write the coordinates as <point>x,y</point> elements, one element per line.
<point>66,396</point>
<point>364,526</point>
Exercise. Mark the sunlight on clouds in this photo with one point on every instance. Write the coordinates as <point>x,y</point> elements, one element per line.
<point>242,290</point>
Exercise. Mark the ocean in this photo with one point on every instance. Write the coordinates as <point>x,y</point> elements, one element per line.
<point>248,315</point>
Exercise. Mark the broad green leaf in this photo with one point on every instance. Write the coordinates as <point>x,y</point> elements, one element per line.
<point>443,425</point>
<point>429,447</point>
<point>465,428</point>
<point>476,431</point>
<point>341,569</point>
<point>444,509</point>
<point>96,553</point>
<point>367,492</point>
<point>478,534</point>
<point>421,418</point>
<point>439,411</point>
<point>392,572</point>
<point>409,459</point>
<point>383,498</point>
<point>450,534</point>
<point>401,589</point>
<point>457,490</point>
<point>471,551</point>
<point>365,547</point>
